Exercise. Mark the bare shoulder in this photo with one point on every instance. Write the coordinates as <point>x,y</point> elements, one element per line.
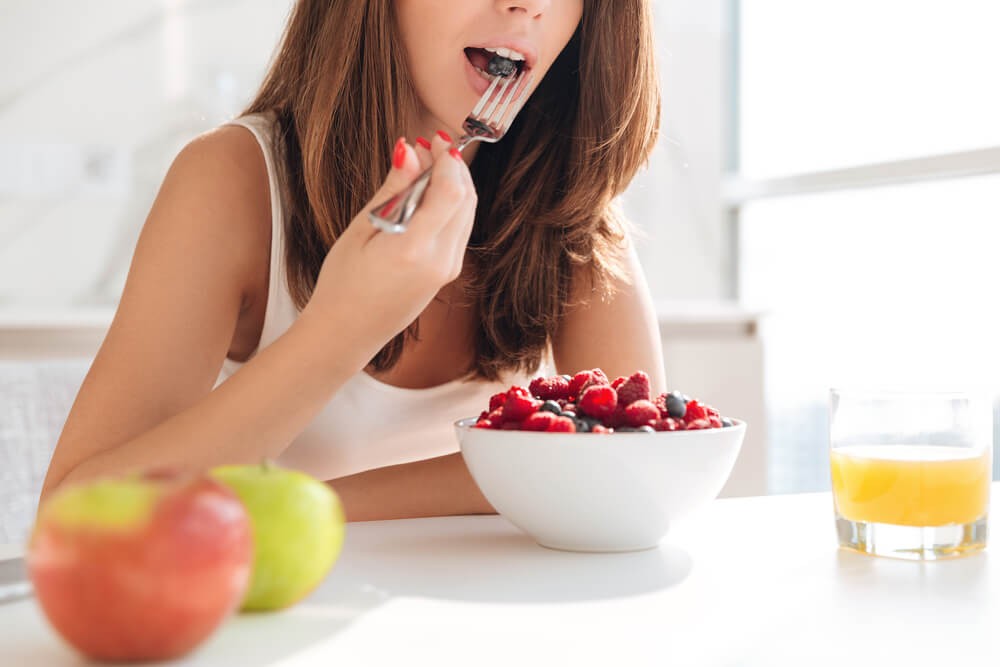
<point>201,258</point>
<point>217,191</point>
<point>619,334</point>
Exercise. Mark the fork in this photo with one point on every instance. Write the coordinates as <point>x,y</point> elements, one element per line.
<point>489,122</point>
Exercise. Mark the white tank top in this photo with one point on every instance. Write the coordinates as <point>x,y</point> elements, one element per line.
<point>368,423</point>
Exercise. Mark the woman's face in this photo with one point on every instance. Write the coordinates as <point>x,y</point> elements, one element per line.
<point>444,42</point>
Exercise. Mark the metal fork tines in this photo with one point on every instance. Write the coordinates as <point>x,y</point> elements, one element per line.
<point>489,121</point>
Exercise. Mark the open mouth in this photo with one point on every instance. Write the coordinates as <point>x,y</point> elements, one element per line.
<point>491,62</point>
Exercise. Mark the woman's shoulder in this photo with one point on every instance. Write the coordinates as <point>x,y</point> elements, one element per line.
<point>228,155</point>
<point>217,189</point>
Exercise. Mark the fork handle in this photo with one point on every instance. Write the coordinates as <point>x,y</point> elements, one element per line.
<point>393,215</point>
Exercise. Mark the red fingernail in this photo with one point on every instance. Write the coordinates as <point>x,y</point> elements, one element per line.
<point>399,154</point>
<point>423,143</point>
<point>444,135</point>
<point>455,153</point>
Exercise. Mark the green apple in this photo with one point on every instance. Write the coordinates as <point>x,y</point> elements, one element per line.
<point>298,529</point>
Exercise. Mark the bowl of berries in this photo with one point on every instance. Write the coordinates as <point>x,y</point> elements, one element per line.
<point>583,463</point>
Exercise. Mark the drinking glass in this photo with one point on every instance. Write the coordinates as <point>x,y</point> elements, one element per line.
<point>911,472</point>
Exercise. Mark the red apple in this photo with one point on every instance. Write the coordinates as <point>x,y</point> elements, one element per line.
<point>143,567</point>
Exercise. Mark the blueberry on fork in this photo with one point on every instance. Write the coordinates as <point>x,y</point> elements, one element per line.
<point>495,61</point>
<point>500,66</point>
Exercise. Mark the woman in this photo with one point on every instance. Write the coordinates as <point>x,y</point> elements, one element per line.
<point>264,316</point>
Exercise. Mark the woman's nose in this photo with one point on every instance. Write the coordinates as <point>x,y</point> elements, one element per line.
<point>532,8</point>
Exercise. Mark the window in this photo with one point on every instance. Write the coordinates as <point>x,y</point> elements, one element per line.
<point>867,204</point>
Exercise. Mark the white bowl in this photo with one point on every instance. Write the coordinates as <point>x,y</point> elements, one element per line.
<point>598,492</point>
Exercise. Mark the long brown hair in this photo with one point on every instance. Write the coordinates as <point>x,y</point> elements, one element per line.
<point>340,91</point>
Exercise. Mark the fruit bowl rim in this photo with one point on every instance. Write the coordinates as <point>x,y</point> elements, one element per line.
<point>468,423</point>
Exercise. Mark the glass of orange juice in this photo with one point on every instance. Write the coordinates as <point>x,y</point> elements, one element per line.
<point>911,472</point>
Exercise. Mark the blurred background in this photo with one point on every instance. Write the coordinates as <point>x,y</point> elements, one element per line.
<point>822,209</point>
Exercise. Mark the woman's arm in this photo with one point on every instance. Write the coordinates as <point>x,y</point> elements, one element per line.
<point>620,335</point>
<point>441,486</point>
<point>147,399</point>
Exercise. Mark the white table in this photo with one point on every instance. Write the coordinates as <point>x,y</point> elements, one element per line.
<point>749,581</point>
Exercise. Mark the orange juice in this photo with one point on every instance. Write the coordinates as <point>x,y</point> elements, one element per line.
<point>909,485</point>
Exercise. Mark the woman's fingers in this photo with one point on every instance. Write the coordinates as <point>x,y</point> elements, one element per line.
<point>448,187</point>
<point>456,233</point>
<point>423,150</point>
<point>404,170</point>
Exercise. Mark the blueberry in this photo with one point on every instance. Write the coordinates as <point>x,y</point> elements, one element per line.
<point>676,405</point>
<point>551,406</point>
<point>626,429</point>
<point>646,428</point>
<point>500,66</point>
<point>582,425</point>
<point>726,422</point>
<point>570,414</point>
<point>568,378</point>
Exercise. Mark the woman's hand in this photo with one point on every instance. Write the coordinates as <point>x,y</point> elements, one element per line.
<point>384,281</point>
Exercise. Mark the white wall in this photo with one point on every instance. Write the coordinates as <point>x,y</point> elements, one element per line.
<point>676,201</point>
<point>103,96</point>
<point>106,92</point>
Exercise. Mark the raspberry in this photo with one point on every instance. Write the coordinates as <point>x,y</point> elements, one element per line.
<point>483,423</point>
<point>539,421</point>
<point>584,379</point>
<point>511,426</point>
<point>639,413</point>
<point>519,404</point>
<point>668,424</point>
<point>694,411</point>
<point>496,400</point>
<point>636,388</point>
<point>550,389</point>
<point>714,421</point>
<point>616,418</point>
<point>712,412</point>
<point>598,401</point>
<point>598,428</point>
<point>698,424</point>
<point>661,405</point>
<point>562,425</point>
<point>496,416</point>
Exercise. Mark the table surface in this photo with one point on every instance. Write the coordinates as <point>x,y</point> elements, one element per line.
<point>748,581</point>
